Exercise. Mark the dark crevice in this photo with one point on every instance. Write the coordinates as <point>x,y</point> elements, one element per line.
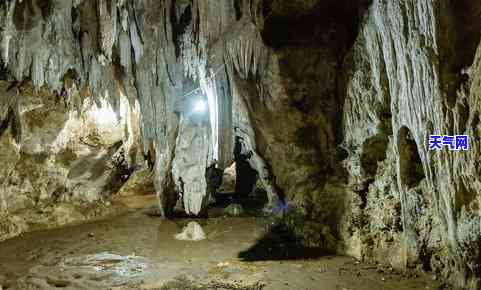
<point>4,124</point>
<point>363,195</point>
<point>463,111</point>
<point>466,17</point>
<point>474,124</point>
<point>46,7</point>
<point>459,39</point>
<point>23,15</point>
<point>266,8</point>
<point>12,120</point>
<point>411,167</point>
<point>425,257</point>
<point>335,22</point>
<point>373,151</point>
<point>246,176</point>
<point>464,197</point>
<point>238,9</point>
<point>16,128</point>
<point>149,156</point>
<point>5,74</point>
<point>179,26</point>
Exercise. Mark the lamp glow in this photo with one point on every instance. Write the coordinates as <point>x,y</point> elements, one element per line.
<point>200,106</point>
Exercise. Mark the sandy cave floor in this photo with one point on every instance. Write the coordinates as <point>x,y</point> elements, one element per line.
<point>133,250</point>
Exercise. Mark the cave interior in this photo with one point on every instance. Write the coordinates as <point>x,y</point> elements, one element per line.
<point>240,144</point>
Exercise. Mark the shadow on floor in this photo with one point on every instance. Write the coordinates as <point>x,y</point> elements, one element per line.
<point>280,244</point>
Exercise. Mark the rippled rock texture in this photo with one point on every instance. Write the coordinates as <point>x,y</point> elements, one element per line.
<point>412,77</point>
<point>59,165</point>
<point>336,99</point>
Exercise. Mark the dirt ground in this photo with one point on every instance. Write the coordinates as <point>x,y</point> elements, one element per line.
<point>134,250</point>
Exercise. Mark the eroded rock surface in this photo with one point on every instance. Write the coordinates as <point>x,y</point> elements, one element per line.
<point>189,164</point>
<point>336,99</point>
<point>60,165</point>
<point>413,207</point>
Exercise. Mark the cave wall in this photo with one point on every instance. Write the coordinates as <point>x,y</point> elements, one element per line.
<point>410,79</point>
<point>402,76</point>
<point>60,164</point>
<point>336,98</point>
<point>243,128</point>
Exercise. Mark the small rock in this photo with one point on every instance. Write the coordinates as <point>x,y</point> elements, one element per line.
<point>91,235</point>
<point>234,210</point>
<point>192,232</point>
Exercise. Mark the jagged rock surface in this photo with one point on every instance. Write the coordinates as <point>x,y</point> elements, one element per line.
<point>405,84</point>
<point>336,100</point>
<point>190,162</point>
<point>60,165</point>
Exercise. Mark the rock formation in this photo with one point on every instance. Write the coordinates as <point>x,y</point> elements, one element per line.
<point>336,99</point>
<point>58,161</point>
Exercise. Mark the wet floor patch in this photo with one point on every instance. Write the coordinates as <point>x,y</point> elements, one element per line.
<point>183,283</point>
<point>99,271</point>
<point>99,255</point>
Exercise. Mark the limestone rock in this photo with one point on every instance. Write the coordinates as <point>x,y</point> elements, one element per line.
<point>192,232</point>
<point>190,162</point>
<point>139,183</point>
<point>228,179</point>
<point>234,210</point>
<point>60,161</point>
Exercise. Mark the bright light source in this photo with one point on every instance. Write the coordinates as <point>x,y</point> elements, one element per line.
<point>200,106</point>
<point>103,116</point>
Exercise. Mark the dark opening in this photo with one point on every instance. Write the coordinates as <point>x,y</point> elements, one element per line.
<point>463,110</point>
<point>298,22</point>
<point>150,156</point>
<point>460,37</point>
<point>411,168</point>
<point>475,123</point>
<point>238,184</point>
<point>6,122</point>
<point>46,6</point>
<point>464,196</point>
<point>246,176</point>
<point>373,151</point>
<point>179,26</point>
<point>238,9</point>
<point>4,73</point>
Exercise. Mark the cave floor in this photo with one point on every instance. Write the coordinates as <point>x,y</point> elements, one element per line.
<point>134,250</point>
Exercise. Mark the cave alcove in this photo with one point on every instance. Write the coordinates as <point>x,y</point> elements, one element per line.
<point>410,164</point>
